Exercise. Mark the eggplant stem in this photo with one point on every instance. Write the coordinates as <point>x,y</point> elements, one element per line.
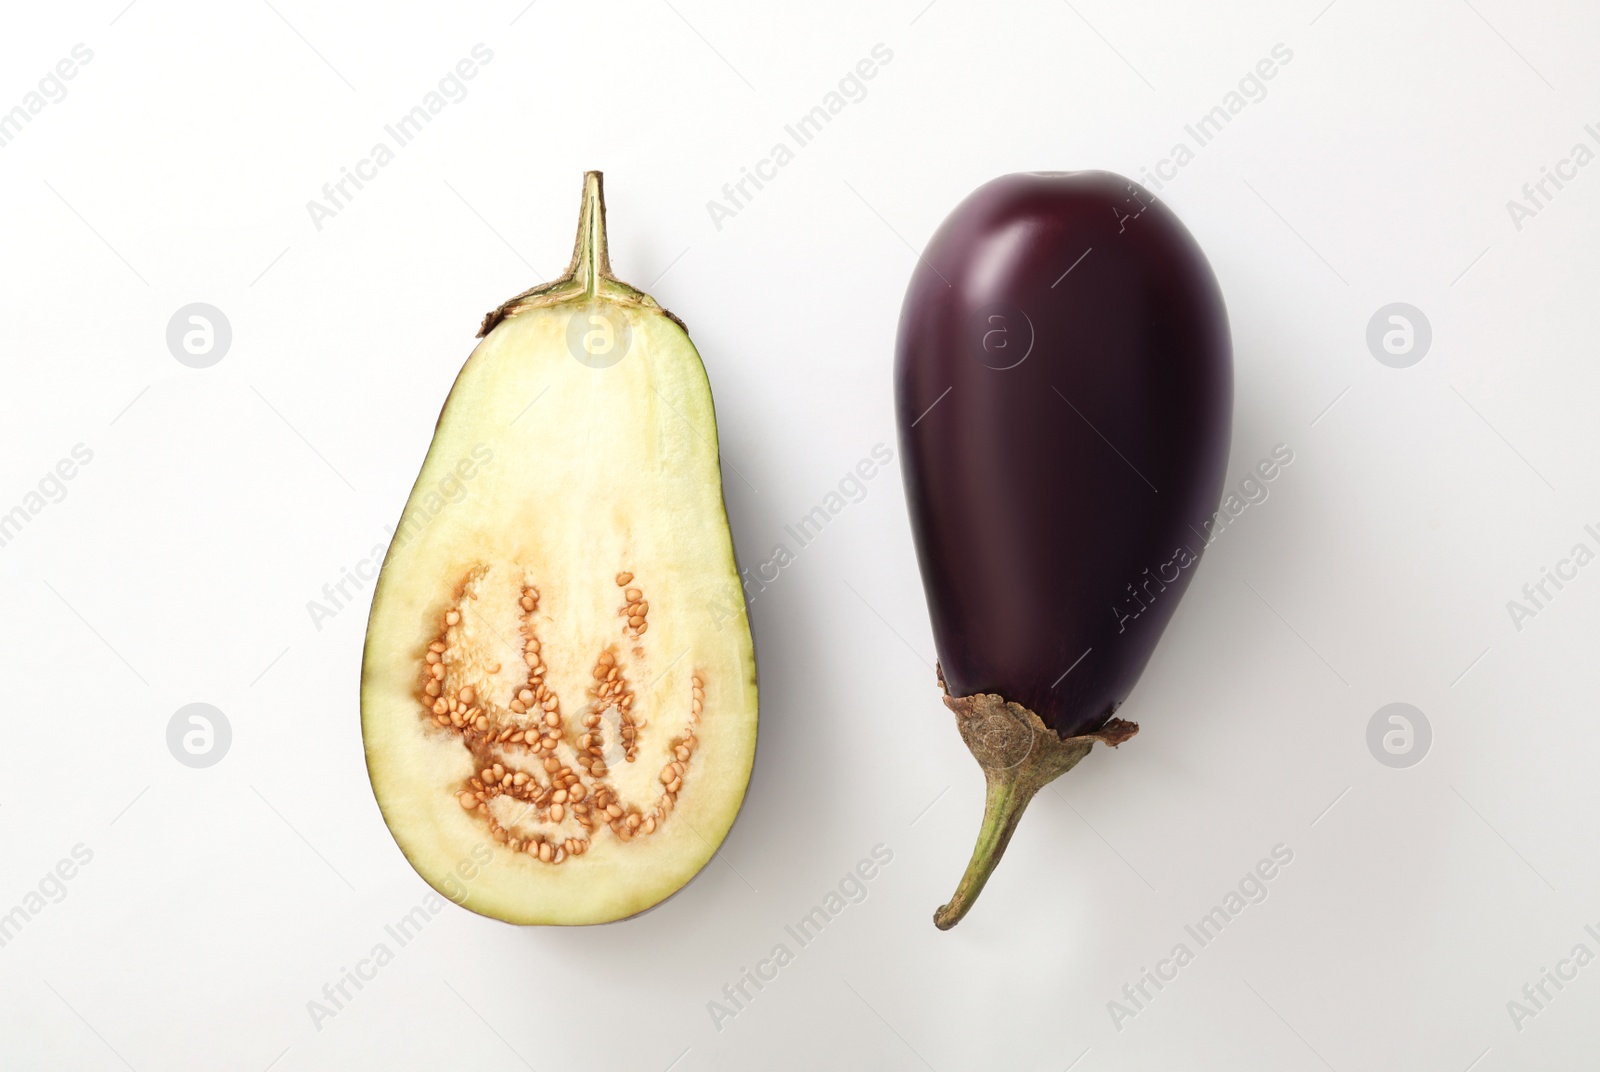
<point>1005,799</point>
<point>590,261</point>
<point>1019,755</point>
<point>588,278</point>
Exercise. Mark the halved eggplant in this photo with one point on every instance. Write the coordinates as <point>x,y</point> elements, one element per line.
<point>558,691</point>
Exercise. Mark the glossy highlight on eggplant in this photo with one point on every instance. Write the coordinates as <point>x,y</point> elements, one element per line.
<point>1064,394</point>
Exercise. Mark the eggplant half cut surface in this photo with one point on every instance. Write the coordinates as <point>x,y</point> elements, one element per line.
<point>558,694</point>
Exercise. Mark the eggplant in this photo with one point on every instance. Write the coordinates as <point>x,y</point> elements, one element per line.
<point>1064,395</point>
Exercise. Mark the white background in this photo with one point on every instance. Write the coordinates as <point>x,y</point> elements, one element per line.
<point>178,568</point>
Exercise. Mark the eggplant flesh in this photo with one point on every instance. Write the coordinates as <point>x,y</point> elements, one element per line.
<point>558,689</point>
<point>1063,386</point>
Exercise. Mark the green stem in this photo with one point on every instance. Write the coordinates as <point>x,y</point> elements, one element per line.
<point>588,278</point>
<point>590,262</point>
<point>1004,802</point>
<point>1019,755</point>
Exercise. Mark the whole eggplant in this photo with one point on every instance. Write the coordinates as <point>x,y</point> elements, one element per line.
<point>1064,394</point>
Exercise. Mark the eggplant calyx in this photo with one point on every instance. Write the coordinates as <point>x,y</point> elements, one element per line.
<point>588,278</point>
<point>1019,755</point>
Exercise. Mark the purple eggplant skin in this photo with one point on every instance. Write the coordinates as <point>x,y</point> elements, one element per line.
<point>1051,500</point>
<point>1064,395</point>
